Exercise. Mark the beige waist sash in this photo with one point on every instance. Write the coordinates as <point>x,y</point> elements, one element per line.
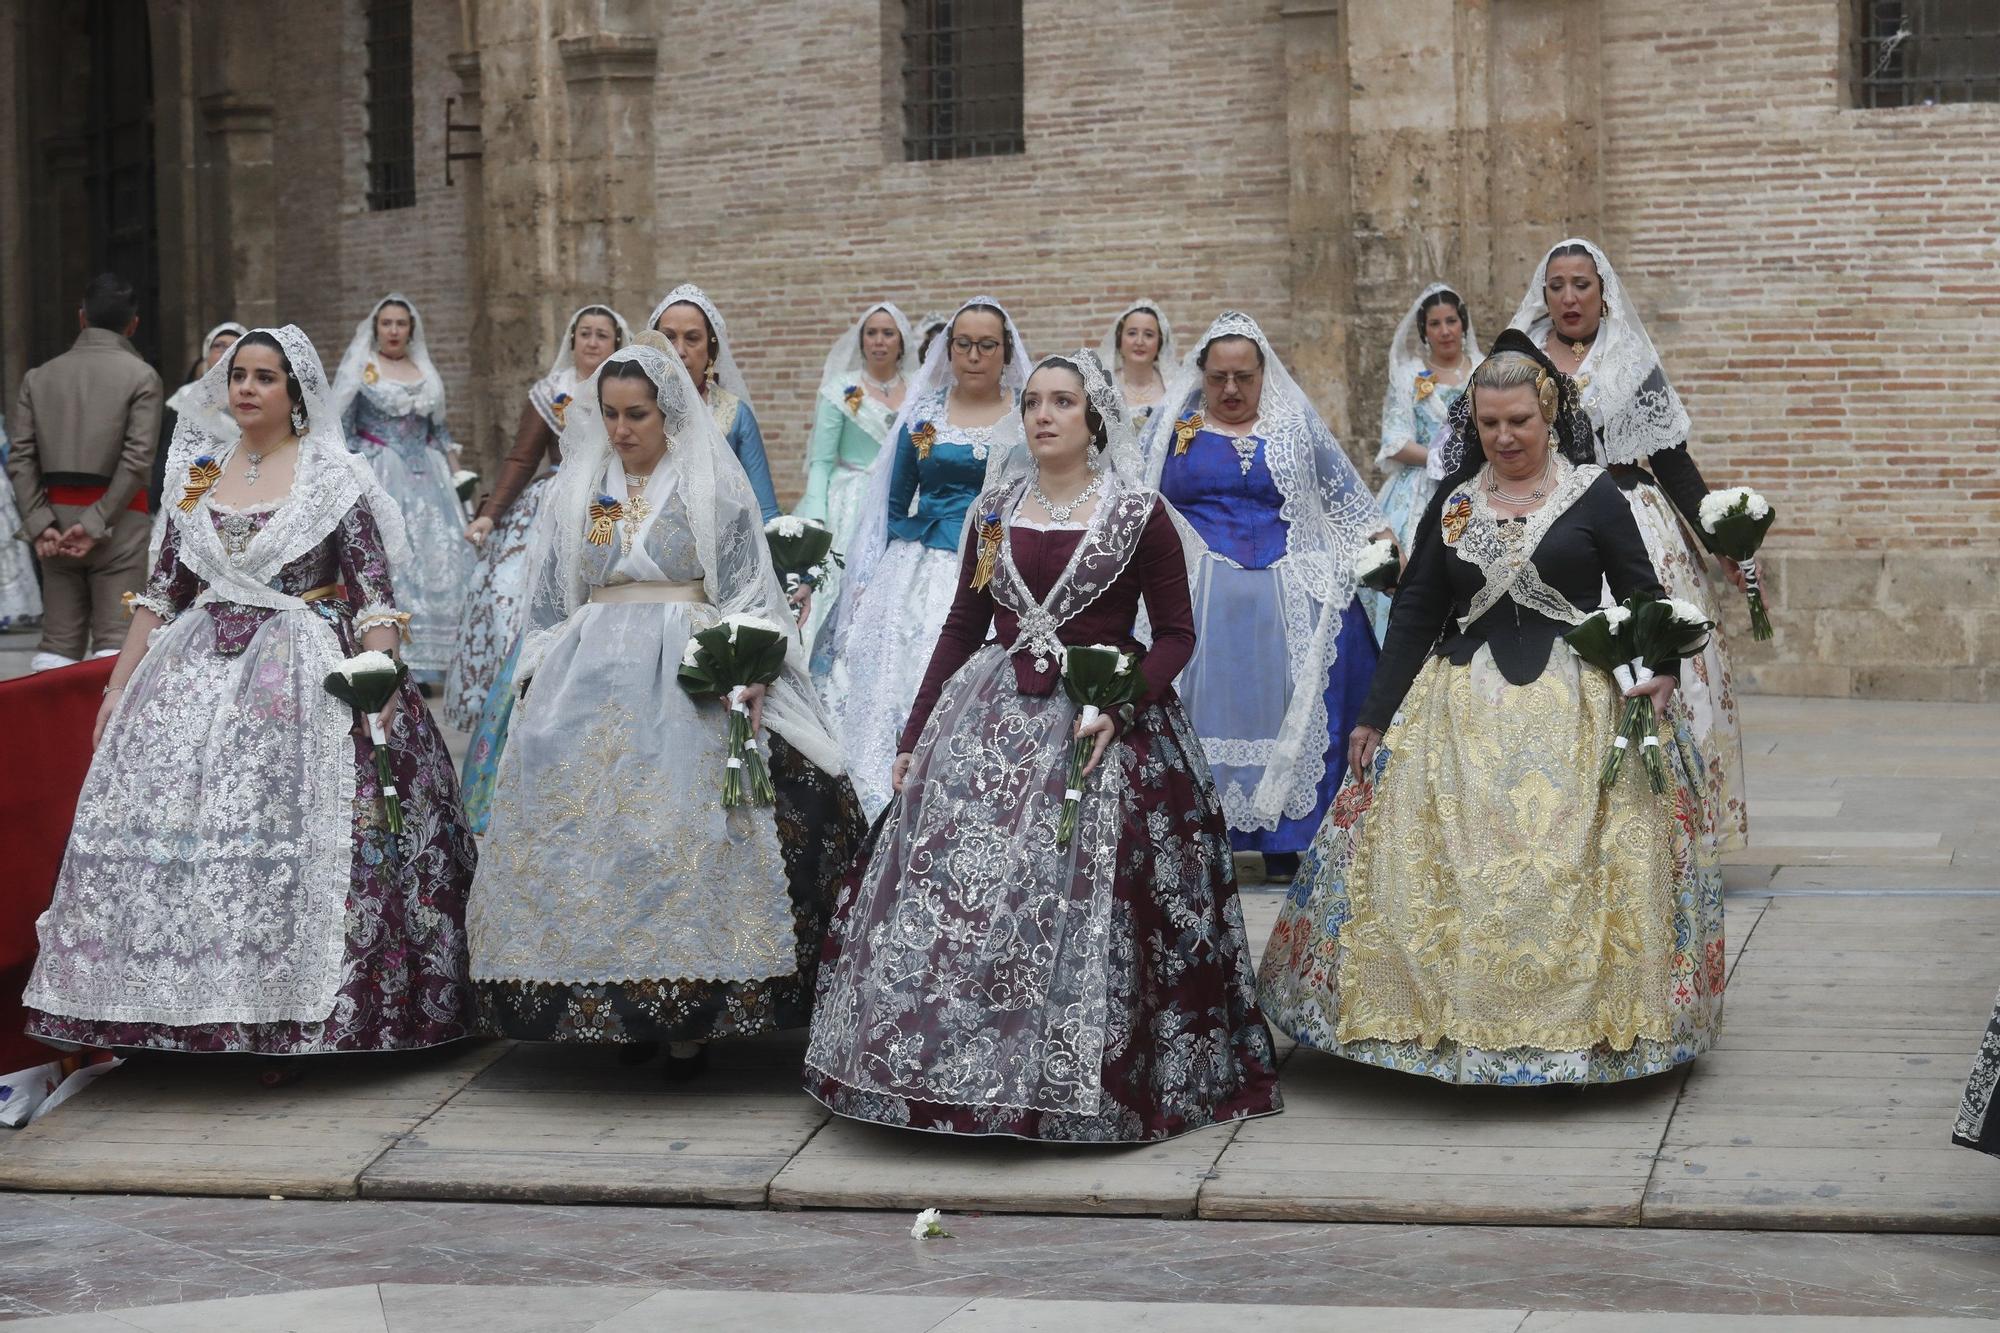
<point>662,590</point>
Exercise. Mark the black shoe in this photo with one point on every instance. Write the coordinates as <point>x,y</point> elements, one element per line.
<point>1280,867</point>
<point>684,1068</point>
<point>637,1053</point>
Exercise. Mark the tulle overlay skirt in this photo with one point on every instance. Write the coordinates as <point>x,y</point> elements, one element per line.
<point>402,977</point>
<point>491,621</point>
<point>819,830</point>
<point>1706,685</point>
<point>897,620</point>
<point>618,901</point>
<point>979,979</point>
<point>1487,914</point>
<point>1403,497</point>
<point>844,496</point>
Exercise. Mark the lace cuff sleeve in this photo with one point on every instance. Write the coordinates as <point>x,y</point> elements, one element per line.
<point>364,568</point>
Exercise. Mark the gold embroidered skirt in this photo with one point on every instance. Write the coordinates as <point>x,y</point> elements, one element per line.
<point>1500,898</point>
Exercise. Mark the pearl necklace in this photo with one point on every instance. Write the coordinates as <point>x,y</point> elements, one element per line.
<point>882,386</point>
<point>1060,513</point>
<point>1493,486</point>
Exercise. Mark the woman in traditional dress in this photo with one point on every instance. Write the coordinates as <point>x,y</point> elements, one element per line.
<point>618,900</point>
<point>1977,1125</point>
<point>391,404</point>
<point>957,421</point>
<point>499,531</point>
<point>1286,652</point>
<point>860,391</point>
<point>217,341</point>
<point>20,591</point>
<point>979,978</point>
<point>231,882</point>
<point>1577,311</point>
<point>691,323</point>
<point>1430,356</point>
<point>926,329</point>
<point>1477,908</point>
<point>1138,346</point>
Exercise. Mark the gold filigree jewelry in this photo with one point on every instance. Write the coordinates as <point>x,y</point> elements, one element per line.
<point>854,397</point>
<point>1426,384</point>
<point>369,374</point>
<point>204,473</point>
<point>924,437</point>
<point>636,512</point>
<point>1186,429</point>
<point>1547,394</point>
<point>1579,349</point>
<point>605,512</point>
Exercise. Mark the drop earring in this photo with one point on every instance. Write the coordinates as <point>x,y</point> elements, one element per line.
<point>298,419</point>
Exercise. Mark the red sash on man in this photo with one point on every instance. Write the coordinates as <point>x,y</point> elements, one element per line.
<point>82,490</point>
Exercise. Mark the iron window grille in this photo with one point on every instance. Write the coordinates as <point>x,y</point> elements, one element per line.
<point>961,79</point>
<point>1926,52</point>
<point>392,132</point>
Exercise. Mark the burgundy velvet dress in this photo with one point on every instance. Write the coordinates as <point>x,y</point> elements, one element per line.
<point>979,978</point>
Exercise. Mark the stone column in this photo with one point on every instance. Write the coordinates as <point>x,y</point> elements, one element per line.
<point>1322,273</point>
<point>608,200</point>
<point>484,436</point>
<point>237,182</point>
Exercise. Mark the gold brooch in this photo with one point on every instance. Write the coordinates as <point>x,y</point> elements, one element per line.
<point>990,531</point>
<point>1426,385</point>
<point>604,512</point>
<point>1184,431</point>
<point>853,398</point>
<point>924,437</point>
<point>1456,515</point>
<point>369,374</point>
<point>203,474</point>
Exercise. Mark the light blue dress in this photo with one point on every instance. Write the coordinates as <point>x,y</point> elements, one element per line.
<point>1406,487</point>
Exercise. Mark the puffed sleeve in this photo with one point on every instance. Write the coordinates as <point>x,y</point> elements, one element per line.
<point>747,439</point>
<point>965,627</point>
<point>1419,613</point>
<point>172,586</point>
<point>364,569</point>
<point>822,456</point>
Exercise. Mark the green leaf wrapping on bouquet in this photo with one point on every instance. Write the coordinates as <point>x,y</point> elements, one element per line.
<point>797,544</point>
<point>741,651</point>
<point>1736,522</point>
<point>1666,630</point>
<point>367,688</point>
<point>466,483</point>
<point>1098,676</point>
<point>1599,643</point>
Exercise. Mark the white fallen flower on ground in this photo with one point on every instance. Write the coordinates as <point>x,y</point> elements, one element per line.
<point>929,1226</point>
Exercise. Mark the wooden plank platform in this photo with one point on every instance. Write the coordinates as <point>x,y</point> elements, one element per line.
<point>569,1124</point>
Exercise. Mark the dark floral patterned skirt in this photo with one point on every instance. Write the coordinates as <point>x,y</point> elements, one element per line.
<point>1182,1043</point>
<point>820,827</point>
<point>403,979</point>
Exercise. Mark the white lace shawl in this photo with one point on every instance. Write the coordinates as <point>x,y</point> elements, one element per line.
<point>561,379</point>
<point>1406,362</point>
<point>351,378</point>
<point>728,538</point>
<point>1635,411</point>
<point>1329,515</point>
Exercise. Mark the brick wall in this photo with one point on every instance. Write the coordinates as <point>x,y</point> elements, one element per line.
<point>1821,282</point>
<point>778,196</point>
<point>336,258</point>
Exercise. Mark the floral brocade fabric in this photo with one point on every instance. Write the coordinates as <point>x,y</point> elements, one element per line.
<point>1486,914</point>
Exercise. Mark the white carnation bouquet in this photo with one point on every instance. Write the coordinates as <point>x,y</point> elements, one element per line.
<point>366,682</point>
<point>726,659</point>
<point>1378,567</point>
<point>1736,520</point>
<point>1097,678</point>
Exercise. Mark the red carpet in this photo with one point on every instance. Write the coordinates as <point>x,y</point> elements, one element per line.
<point>45,722</point>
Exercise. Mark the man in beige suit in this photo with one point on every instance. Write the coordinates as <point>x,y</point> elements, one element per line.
<point>84,434</point>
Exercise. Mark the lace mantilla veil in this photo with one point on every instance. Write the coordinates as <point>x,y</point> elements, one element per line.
<point>844,362</point>
<point>925,398</point>
<point>1329,514</point>
<point>561,379</point>
<point>726,372</point>
<point>350,378</point>
<point>1406,362</point>
<point>728,537</point>
<point>1635,410</point>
